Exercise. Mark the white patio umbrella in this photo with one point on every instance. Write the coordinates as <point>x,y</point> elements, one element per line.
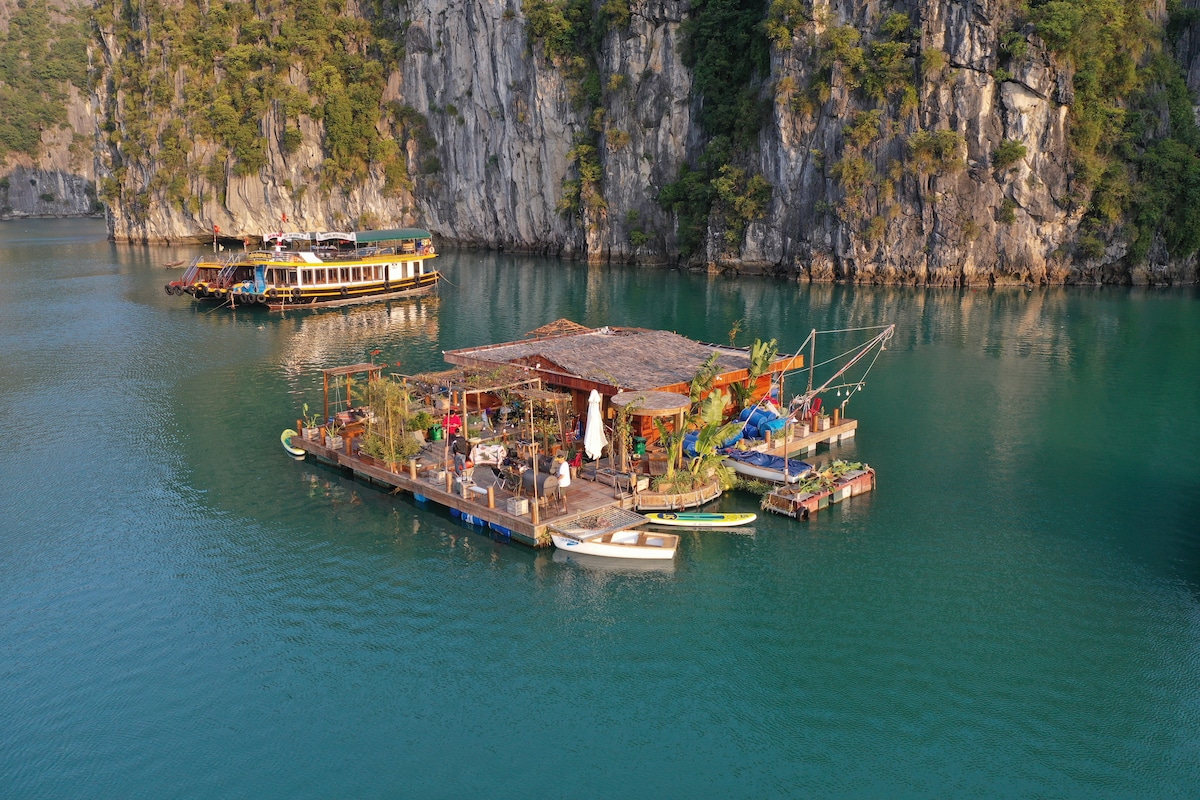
<point>593,434</point>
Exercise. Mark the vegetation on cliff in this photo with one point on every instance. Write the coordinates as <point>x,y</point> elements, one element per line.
<point>1133,134</point>
<point>43,52</point>
<point>726,48</point>
<point>571,34</point>
<point>194,73</point>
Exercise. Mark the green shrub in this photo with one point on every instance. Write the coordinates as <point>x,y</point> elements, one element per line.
<point>932,152</point>
<point>1008,212</point>
<point>1007,153</point>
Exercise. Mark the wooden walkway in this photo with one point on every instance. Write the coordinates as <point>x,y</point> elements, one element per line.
<point>588,494</point>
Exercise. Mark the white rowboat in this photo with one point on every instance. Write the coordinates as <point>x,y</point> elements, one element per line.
<point>621,544</point>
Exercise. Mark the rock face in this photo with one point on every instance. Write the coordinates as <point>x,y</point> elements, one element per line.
<point>506,120</point>
<point>60,181</point>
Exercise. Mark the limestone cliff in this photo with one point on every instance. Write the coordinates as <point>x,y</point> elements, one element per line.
<point>961,172</point>
<point>53,174</point>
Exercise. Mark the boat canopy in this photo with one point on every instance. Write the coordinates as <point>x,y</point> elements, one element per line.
<point>368,237</point>
<point>308,236</point>
<point>361,237</point>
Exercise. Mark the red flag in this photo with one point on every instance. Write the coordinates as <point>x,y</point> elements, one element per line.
<point>285,216</point>
<point>216,228</point>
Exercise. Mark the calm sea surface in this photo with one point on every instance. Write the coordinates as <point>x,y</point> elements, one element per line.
<point>186,612</point>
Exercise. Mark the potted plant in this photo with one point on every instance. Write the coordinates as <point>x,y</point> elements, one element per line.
<point>310,430</point>
<point>371,449</point>
<point>397,451</point>
<point>421,421</point>
<point>333,437</point>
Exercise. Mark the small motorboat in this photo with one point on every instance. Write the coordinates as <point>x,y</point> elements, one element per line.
<point>764,467</point>
<point>697,519</point>
<point>620,544</point>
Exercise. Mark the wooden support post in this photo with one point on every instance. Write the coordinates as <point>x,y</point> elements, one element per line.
<point>491,497</point>
<point>449,481</point>
<point>412,468</point>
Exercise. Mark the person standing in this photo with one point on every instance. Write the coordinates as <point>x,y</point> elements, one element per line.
<point>563,470</point>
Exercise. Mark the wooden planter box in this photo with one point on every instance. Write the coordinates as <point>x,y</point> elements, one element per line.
<point>674,501</point>
<point>796,504</point>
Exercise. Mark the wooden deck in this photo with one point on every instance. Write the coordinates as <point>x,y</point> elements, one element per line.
<point>591,492</point>
<point>596,489</point>
<point>802,446</point>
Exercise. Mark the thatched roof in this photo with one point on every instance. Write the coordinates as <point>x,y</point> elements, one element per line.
<point>475,379</point>
<point>652,404</point>
<point>630,358</point>
<point>557,328</point>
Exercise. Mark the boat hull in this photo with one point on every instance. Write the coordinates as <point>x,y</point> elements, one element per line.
<point>772,471</point>
<point>355,295</point>
<point>622,544</point>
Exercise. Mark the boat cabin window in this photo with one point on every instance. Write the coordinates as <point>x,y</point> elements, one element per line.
<point>345,274</point>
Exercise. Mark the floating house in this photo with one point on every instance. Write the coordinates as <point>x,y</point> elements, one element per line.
<point>614,360</point>
<point>646,373</point>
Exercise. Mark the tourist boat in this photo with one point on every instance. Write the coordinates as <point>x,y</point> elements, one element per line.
<point>620,544</point>
<point>698,519</point>
<point>301,270</point>
<point>765,467</point>
<point>233,272</point>
<point>201,271</point>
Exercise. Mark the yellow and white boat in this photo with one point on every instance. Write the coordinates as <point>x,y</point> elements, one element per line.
<point>304,270</point>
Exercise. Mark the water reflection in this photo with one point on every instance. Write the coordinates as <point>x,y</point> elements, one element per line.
<point>601,567</point>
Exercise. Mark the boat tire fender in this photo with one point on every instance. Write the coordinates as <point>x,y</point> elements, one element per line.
<point>296,295</point>
<point>167,289</point>
<point>272,293</point>
<point>345,291</point>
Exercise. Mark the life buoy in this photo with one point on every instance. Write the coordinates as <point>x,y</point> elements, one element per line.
<point>345,292</point>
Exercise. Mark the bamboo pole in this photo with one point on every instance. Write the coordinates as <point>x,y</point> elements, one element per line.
<point>812,356</point>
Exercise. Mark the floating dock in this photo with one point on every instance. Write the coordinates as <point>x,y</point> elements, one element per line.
<point>806,445</point>
<point>595,496</point>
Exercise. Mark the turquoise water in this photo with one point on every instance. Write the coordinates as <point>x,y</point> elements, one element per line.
<point>187,612</point>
